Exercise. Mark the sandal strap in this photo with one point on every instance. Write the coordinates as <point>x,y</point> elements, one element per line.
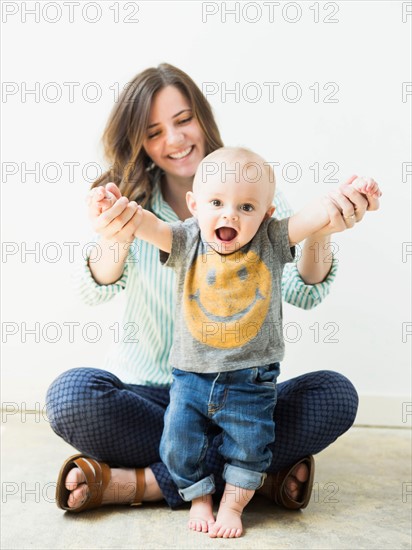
<point>140,487</point>
<point>97,477</point>
<point>280,494</point>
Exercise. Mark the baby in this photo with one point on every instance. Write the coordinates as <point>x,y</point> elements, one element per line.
<point>228,342</point>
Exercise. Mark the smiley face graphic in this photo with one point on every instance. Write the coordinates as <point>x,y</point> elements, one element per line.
<point>226,298</point>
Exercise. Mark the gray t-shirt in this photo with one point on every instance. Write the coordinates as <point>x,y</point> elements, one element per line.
<point>228,307</point>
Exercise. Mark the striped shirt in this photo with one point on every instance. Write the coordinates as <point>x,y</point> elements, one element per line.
<point>142,354</point>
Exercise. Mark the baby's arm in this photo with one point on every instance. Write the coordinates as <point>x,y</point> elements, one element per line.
<point>150,229</point>
<point>153,230</point>
<point>314,216</point>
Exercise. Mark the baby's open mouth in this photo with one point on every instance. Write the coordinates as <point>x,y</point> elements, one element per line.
<point>226,233</point>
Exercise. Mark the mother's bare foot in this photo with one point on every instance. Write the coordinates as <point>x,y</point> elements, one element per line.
<point>293,483</point>
<point>120,490</point>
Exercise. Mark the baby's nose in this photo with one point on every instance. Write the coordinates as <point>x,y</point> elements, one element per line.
<point>231,214</point>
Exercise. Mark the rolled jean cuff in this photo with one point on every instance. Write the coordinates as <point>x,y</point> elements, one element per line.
<point>205,486</point>
<point>240,477</point>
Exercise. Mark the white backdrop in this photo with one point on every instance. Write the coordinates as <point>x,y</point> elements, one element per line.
<point>324,89</point>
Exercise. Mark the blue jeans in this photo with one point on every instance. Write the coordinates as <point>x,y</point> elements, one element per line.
<point>241,403</point>
<point>121,424</point>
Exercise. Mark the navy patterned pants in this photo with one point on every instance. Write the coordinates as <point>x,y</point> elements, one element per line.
<point>121,424</point>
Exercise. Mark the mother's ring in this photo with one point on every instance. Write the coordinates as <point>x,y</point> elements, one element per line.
<point>349,217</point>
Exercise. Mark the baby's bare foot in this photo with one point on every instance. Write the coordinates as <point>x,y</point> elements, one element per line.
<point>228,521</point>
<point>228,524</point>
<point>201,514</point>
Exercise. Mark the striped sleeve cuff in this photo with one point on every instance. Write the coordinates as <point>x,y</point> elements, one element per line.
<point>297,293</point>
<point>90,292</point>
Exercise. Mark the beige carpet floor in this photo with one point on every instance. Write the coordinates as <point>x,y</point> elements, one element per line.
<point>362,499</point>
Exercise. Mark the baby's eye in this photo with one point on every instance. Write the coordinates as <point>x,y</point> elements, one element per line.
<point>247,207</point>
<point>216,202</point>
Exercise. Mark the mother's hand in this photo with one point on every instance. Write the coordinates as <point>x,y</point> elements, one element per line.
<point>119,222</point>
<point>346,206</point>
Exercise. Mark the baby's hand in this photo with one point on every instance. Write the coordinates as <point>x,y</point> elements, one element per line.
<point>102,199</point>
<point>367,186</point>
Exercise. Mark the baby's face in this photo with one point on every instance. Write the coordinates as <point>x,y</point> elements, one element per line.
<point>230,212</point>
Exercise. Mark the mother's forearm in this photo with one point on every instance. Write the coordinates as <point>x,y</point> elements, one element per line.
<point>316,259</point>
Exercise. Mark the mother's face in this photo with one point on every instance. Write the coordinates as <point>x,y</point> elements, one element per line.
<point>174,139</point>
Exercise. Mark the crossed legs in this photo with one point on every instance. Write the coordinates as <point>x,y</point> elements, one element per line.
<point>120,424</point>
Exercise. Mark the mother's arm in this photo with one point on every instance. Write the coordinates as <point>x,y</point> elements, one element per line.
<point>99,280</point>
<point>307,282</point>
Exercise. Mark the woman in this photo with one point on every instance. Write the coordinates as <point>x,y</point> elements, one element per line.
<point>155,138</point>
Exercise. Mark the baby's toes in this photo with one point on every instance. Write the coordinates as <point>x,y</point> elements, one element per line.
<point>198,525</point>
<point>205,527</point>
<point>201,526</point>
<point>195,525</point>
<point>221,531</point>
<point>234,533</point>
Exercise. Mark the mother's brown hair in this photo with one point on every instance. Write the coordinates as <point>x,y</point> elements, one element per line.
<point>126,129</point>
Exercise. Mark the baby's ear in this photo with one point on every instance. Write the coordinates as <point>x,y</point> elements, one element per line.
<point>269,212</point>
<point>191,203</point>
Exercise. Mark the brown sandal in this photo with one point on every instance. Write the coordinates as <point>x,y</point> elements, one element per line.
<point>278,490</point>
<point>97,478</point>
